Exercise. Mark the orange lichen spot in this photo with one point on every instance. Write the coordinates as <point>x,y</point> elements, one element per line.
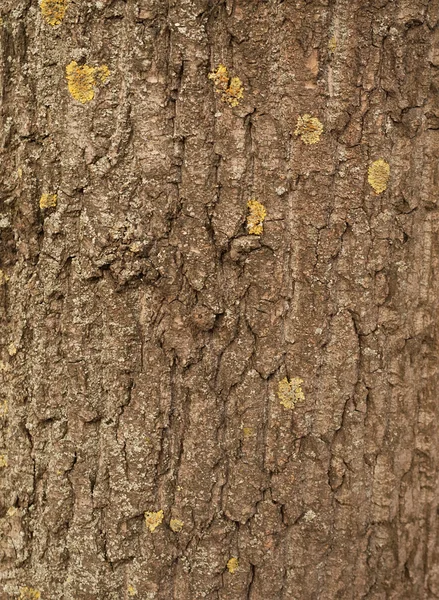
<point>290,392</point>
<point>232,564</point>
<point>3,460</point>
<point>82,80</point>
<point>131,590</point>
<point>378,175</point>
<point>12,349</point>
<point>256,217</point>
<point>153,519</point>
<point>53,11</point>
<point>230,88</point>
<point>27,593</point>
<point>332,44</point>
<point>309,129</point>
<point>48,201</point>
<point>3,278</point>
<point>176,525</point>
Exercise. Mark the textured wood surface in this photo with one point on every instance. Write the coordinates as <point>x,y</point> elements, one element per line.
<point>144,331</point>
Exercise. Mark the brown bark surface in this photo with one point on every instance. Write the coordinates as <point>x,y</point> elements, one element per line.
<point>144,331</point>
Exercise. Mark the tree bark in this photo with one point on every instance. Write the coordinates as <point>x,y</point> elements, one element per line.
<point>145,330</point>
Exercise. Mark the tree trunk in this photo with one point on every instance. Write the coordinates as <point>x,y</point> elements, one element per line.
<point>153,337</point>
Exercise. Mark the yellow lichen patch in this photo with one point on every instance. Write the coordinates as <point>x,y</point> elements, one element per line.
<point>230,88</point>
<point>131,590</point>
<point>220,78</point>
<point>103,73</point>
<point>48,201</point>
<point>332,44</point>
<point>20,172</point>
<point>27,593</point>
<point>256,217</point>
<point>232,565</point>
<point>3,278</point>
<point>153,519</point>
<point>309,128</point>
<point>4,408</point>
<point>247,431</point>
<point>82,80</point>
<point>12,349</point>
<point>53,10</point>
<point>3,460</point>
<point>290,392</point>
<point>176,525</point>
<point>12,511</point>
<point>235,92</point>
<point>379,172</point>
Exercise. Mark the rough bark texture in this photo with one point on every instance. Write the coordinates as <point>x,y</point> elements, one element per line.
<point>144,333</point>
